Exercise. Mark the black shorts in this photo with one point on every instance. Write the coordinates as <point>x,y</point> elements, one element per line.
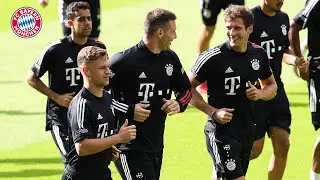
<point>95,16</point>
<point>314,93</point>
<point>70,174</point>
<point>60,137</point>
<point>210,9</point>
<point>230,156</point>
<point>139,165</point>
<point>273,113</point>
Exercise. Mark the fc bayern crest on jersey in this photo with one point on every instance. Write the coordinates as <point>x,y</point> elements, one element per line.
<point>169,69</point>
<point>26,22</point>
<point>231,164</point>
<point>284,29</point>
<point>255,64</point>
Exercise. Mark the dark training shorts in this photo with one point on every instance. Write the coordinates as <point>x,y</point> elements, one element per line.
<point>135,165</point>
<point>273,113</point>
<point>314,92</point>
<point>210,9</point>
<point>230,157</point>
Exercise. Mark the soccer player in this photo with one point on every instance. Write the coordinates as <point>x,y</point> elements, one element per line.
<point>308,17</point>
<point>271,26</point>
<point>63,15</point>
<point>92,121</point>
<point>231,70</point>
<point>210,10</point>
<point>148,73</point>
<point>65,80</point>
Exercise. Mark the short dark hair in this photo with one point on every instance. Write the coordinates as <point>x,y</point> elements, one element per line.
<point>157,18</point>
<point>73,7</point>
<point>89,54</point>
<point>239,11</point>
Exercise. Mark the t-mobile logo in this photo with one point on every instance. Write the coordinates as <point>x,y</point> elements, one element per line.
<point>73,74</point>
<point>269,47</point>
<point>102,130</point>
<point>231,84</point>
<point>147,92</point>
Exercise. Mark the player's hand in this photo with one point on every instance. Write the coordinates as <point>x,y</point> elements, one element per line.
<point>170,107</point>
<point>43,3</point>
<point>252,92</point>
<point>299,61</point>
<point>223,115</point>
<point>115,153</point>
<point>127,133</point>
<point>64,99</point>
<point>302,70</point>
<point>141,113</point>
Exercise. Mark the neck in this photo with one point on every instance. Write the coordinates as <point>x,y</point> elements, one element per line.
<point>95,90</point>
<point>240,49</point>
<point>151,44</point>
<point>267,10</point>
<point>78,40</point>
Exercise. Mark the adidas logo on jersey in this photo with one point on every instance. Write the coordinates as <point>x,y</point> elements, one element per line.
<point>69,60</point>
<point>99,116</point>
<point>142,75</point>
<point>263,34</point>
<point>229,70</point>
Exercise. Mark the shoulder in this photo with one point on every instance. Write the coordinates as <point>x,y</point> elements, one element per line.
<point>283,15</point>
<point>97,43</point>
<point>53,46</point>
<point>121,57</point>
<point>252,47</point>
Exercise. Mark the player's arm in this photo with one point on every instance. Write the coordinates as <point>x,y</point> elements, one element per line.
<point>137,112</point>
<point>39,68</point>
<point>222,115</point>
<point>181,88</point>
<point>291,59</point>
<point>294,38</point>
<point>86,143</point>
<point>90,146</point>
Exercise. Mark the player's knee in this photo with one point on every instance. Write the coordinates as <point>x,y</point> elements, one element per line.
<point>281,146</point>
<point>256,150</point>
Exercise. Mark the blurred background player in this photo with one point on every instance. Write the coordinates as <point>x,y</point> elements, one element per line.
<point>62,10</point>
<point>148,73</point>
<point>59,59</point>
<point>308,18</point>
<point>210,10</point>
<point>271,27</point>
<point>231,69</point>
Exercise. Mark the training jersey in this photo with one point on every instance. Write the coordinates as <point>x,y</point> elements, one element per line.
<point>90,117</point>
<point>59,59</point>
<point>227,73</point>
<point>308,17</point>
<point>140,76</point>
<point>271,33</point>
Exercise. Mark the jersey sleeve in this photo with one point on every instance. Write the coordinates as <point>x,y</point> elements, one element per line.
<point>45,61</point>
<point>79,117</point>
<point>201,67</point>
<point>116,83</point>
<point>181,84</point>
<point>287,42</point>
<point>266,71</point>
<point>305,14</point>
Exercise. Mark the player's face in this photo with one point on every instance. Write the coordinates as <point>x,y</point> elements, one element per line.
<point>82,24</point>
<point>99,72</point>
<point>274,5</point>
<point>237,33</point>
<point>169,34</point>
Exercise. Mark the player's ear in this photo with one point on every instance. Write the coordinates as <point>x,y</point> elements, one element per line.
<point>160,33</point>
<point>69,23</point>
<point>250,29</point>
<point>85,70</point>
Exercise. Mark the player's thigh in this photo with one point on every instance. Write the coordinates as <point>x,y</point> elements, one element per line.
<point>60,137</point>
<point>136,165</point>
<point>260,118</point>
<point>314,96</point>
<point>279,114</point>
<point>95,16</point>
<point>210,10</point>
<point>226,154</point>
